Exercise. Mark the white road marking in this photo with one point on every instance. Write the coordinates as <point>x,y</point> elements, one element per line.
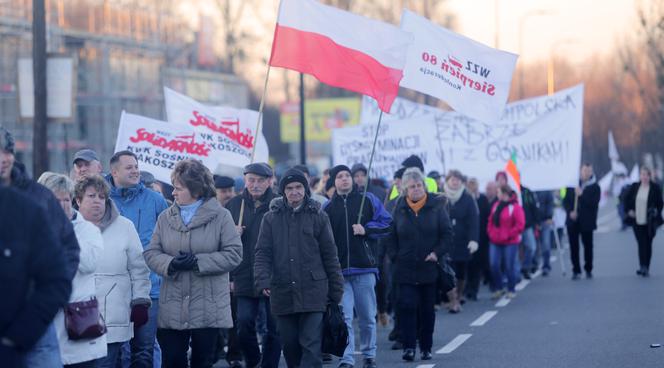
<point>503,302</point>
<point>425,366</point>
<point>454,344</point>
<point>536,274</point>
<point>522,285</point>
<point>553,259</point>
<point>484,318</point>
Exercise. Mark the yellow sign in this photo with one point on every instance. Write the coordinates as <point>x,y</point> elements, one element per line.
<point>320,116</point>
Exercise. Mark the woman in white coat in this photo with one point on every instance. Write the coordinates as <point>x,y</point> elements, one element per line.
<point>78,353</point>
<point>122,277</point>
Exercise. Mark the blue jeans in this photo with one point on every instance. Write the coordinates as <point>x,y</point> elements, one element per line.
<point>507,256</point>
<point>529,248</point>
<point>46,352</point>
<point>546,233</point>
<point>247,311</point>
<point>143,350</point>
<point>360,295</point>
<point>112,356</point>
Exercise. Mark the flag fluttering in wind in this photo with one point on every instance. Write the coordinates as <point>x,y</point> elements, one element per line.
<point>341,49</point>
<point>513,177</point>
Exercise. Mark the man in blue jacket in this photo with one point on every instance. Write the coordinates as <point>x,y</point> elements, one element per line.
<point>142,206</point>
<point>356,246</point>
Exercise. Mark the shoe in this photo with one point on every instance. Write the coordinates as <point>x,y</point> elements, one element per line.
<point>640,271</point>
<point>646,272</point>
<point>345,365</point>
<point>510,295</point>
<point>426,355</point>
<point>408,355</point>
<point>526,274</point>
<point>455,309</point>
<point>576,276</point>
<point>397,345</point>
<point>589,275</point>
<point>235,364</point>
<point>327,358</point>
<point>497,295</point>
<point>471,297</point>
<point>370,363</point>
<point>393,335</point>
<point>545,272</point>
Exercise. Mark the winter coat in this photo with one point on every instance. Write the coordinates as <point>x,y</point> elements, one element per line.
<point>465,219</point>
<point>142,207</point>
<point>296,259</point>
<point>62,227</point>
<point>530,207</point>
<point>357,253</point>
<point>83,289</point>
<point>485,209</point>
<point>199,298</point>
<point>34,282</point>
<point>243,275</point>
<point>512,224</point>
<point>546,205</point>
<point>655,204</point>
<point>587,206</point>
<point>414,237</point>
<point>122,277</point>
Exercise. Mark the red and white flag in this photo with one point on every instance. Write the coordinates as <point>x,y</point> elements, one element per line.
<point>472,78</point>
<point>341,49</point>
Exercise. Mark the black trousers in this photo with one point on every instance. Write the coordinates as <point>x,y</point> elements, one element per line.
<point>175,343</point>
<point>644,241</point>
<point>416,302</point>
<point>301,335</point>
<point>234,353</point>
<point>587,238</point>
<point>477,269</point>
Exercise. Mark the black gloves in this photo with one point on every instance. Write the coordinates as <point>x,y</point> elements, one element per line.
<point>183,262</point>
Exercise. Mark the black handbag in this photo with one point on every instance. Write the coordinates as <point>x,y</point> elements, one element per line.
<point>83,320</point>
<point>446,274</point>
<point>335,332</point>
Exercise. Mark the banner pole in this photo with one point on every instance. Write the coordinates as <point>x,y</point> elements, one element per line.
<point>256,134</point>
<point>366,185</point>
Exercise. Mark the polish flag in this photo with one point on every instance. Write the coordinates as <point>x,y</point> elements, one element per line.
<point>341,49</point>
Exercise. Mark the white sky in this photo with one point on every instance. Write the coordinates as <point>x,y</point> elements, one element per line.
<point>596,26</point>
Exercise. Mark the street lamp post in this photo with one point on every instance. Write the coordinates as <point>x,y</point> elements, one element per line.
<point>522,22</point>
<point>550,70</point>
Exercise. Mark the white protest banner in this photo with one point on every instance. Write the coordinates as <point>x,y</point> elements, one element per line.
<point>159,145</point>
<point>396,141</point>
<point>545,132</point>
<point>472,78</point>
<point>230,132</point>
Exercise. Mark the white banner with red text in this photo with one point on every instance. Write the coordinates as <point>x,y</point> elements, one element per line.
<point>159,145</point>
<point>231,133</point>
<point>545,133</point>
<point>472,78</point>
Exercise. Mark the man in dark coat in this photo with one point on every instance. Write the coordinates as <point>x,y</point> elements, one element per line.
<point>528,241</point>
<point>296,265</point>
<point>34,282</point>
<point>479,263</point>
<point>356,247</point>
<point>545,199</point>
<point>256,199</point>
<point>581,204</point>
<point>13,174</point>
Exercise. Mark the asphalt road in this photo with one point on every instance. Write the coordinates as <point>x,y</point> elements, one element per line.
<point>608,321</point>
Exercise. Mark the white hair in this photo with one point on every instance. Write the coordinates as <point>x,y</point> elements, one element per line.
<point>412,173</point>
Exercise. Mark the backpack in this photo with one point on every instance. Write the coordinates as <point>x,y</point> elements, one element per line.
<point>335,332</point>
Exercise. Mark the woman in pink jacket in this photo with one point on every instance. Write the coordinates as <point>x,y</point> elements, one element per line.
<point>506,223</point>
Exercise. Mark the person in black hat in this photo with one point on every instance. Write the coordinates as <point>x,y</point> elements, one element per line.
<point>255,199</point>
<point>356,240</point>
<point>359,174</point>
<point>296,248</point>
<point>225,188</point>
<point>85,163</point>
<point>415,161</point>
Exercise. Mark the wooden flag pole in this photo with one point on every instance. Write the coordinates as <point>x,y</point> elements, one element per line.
<point>256,134</point>
<point>366,185</point>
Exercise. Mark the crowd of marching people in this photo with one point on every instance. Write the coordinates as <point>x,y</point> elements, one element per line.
<point>108,267</point>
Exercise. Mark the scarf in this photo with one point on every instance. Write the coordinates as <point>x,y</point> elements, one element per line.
<point>453,195</point>
<point>188,211</point>
<point>499,209</point>
<point>417,206</point>
<point>589,182</point>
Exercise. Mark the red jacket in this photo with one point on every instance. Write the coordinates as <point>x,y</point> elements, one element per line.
<point>512,223</point>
